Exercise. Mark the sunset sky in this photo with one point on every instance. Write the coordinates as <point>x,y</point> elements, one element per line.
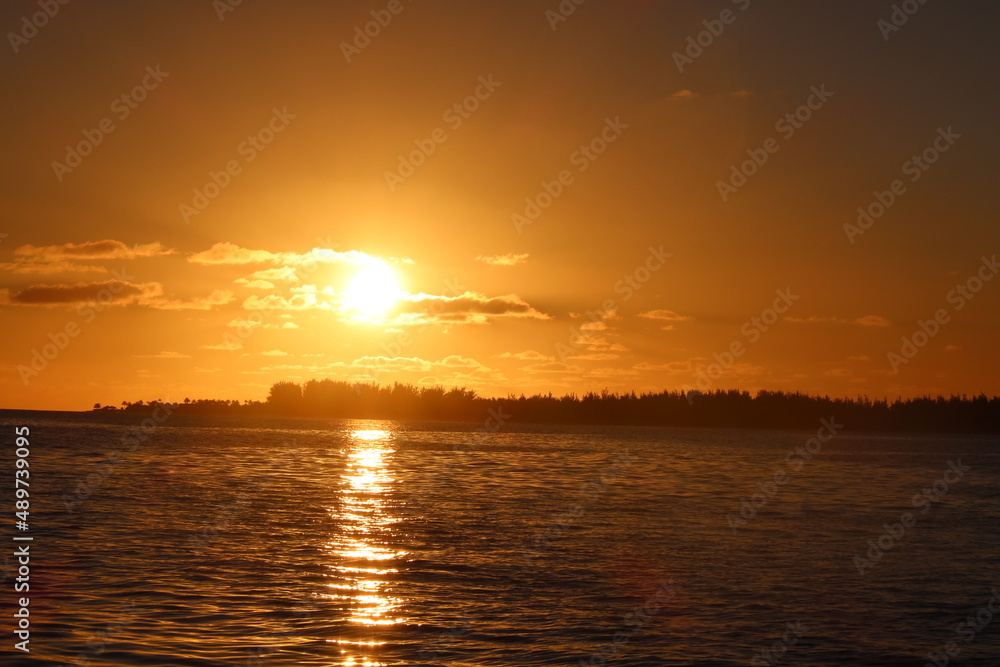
<point>202,199</point>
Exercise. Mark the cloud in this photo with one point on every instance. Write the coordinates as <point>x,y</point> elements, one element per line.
<point>456,361</point>
<point>871,321</point>
<point>162,355</point>
<point>510,259</point>
<point>231,343</point>
<point>230,253</point>
<point>46,268</point>
<point>245,324</point>
<point>307,301</point>
<point>90,250</point>
<point>219,297</point>
<point>62,258</point>
<point>665,315</point>
<point>671,368</point>
<point>597,343</point>
<point>226,253</point>
<point>256,284</point>
<point>684,95</point>
<point>866,321</point>
<point>744,370</point>
<point>274,353</point>
<point>391,363</point>
<point>609,372</point>
<point>527,355</point>
<point>469,307</point>
<point>596,356</point>
<point>554,367</point>
<point>108,292</point>
<point>262,279</point>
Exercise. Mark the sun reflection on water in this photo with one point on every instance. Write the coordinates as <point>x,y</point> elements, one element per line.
<point>362,564</point>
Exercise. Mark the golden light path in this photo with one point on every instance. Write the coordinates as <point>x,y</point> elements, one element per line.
<point>362,575</point>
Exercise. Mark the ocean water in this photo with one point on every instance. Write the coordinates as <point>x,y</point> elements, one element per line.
<point>394,543</point>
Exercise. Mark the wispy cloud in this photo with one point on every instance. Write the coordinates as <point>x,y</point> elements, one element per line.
<point>226,253</point>
<point>469,307</point>
<point>111,293</point>
<point>162,355</point>
<point>553,367</point>
<point>686,95</point>
<point>866,321</point>
<point>671,368</point>
<point>64,258</point>
<point>665,315</point>
<point>510,259</point>
<point>527,355</point>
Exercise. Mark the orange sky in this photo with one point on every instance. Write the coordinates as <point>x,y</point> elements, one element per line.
<point>201,202</point>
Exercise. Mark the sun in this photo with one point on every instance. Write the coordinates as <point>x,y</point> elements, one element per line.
<point>372,291</point>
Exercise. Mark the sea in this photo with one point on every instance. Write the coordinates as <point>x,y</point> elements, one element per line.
<point>362,542</point>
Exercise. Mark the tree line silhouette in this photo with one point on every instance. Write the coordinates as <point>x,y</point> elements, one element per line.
<point>720,408</point>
